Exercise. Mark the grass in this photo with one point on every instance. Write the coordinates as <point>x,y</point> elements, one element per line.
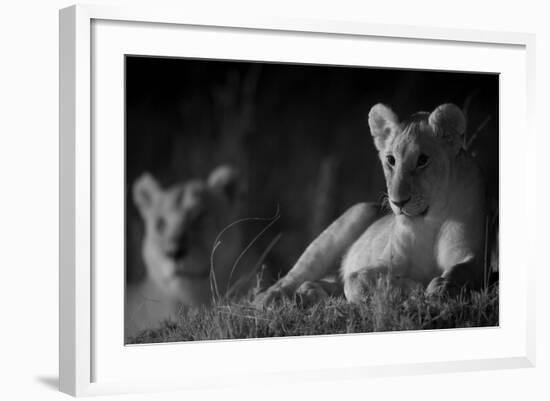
<point>384,310</point>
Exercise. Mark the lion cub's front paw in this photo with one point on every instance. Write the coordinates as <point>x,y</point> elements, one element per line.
<point>437,287</point>
<point>440,286</point>
<point>310,293</point>
<point>275,293</point>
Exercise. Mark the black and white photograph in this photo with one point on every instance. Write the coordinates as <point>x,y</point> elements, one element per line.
<point>280,199</point>
<point>287,200</point>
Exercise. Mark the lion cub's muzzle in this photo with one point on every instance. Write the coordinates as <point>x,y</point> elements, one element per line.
<point>410,207</point>
<point>401,203</point>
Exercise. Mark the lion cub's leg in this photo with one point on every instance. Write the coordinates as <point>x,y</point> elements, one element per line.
<point>311,292</point>
<point>323,256</point>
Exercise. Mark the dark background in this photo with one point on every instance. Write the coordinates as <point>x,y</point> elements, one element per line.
<point>298,132</point>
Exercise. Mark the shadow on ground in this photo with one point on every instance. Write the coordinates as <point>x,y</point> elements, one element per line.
<point>52,382</point>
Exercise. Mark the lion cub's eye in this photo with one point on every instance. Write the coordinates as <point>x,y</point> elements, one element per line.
<point>422,160</point>
<point>391,160</point>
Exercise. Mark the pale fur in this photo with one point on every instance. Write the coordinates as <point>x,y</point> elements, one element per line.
<point>193,214</point>
<point>434,240</point>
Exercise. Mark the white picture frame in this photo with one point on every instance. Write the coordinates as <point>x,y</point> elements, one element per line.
<point>89,354</point>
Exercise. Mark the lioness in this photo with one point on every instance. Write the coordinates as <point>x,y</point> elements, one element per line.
<point>181,226</point>
<point>435,235</point>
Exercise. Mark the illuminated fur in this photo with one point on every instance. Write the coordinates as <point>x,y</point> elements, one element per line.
<point>434,237</point>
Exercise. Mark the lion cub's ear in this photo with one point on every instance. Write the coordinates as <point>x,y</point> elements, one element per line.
<point>448,123</point>
<point>383,122</point>
<point>146,190</point>
<point>227,181</point>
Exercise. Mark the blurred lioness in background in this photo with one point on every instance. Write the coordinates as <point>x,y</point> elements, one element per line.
<point>184,266</point>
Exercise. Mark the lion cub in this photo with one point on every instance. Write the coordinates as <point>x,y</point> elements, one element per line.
<point>181,226</point>
<point>435,234</point>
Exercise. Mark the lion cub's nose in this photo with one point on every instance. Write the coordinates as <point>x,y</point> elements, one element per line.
<point>400,203</point>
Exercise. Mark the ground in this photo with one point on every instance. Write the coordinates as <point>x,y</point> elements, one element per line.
<point>384,310</point>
